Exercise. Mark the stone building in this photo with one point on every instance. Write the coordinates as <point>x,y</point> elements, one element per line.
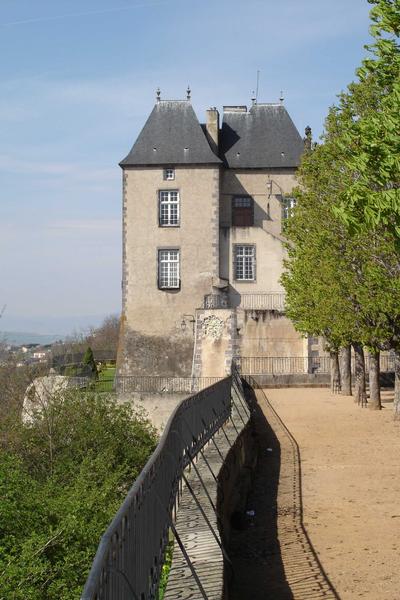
<point>203,229</point>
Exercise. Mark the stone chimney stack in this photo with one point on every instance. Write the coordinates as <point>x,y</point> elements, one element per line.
<point>212,128</point>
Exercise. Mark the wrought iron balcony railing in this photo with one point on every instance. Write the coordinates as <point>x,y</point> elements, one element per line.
<point>263,301</point>
<point>216,301</point>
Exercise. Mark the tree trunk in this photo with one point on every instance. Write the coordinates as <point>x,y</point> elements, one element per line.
<point>360,394</point>
<point>345,370</point>
<point>397,385</point>
<point>374,385</point>
<point>335,373</point>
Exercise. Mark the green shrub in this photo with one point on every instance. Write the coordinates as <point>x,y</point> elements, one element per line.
<point>62,479</point>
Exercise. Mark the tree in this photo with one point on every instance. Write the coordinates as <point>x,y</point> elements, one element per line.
<point>62,478</point>
<point>89,362</point>
<point>104,338</point>
<point>344,266</point>
<point>339,284</point>
<point>371,139</point>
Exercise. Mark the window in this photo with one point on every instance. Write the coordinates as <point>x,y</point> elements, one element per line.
<point>242,211</point>
<point>288,205</point>
<point>245,263</point>
<point>169,174</point>
<point>168,269</point>
<point>169,208</point>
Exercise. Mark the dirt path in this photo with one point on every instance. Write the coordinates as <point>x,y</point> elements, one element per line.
<point>272,557</point>
<point>350,462</point>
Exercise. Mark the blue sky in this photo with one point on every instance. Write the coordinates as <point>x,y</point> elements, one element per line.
<point>77,82</point>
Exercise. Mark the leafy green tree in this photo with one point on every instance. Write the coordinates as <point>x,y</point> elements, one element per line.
<point>88,361</point>
<point>370,139</point>
<point>339,284</point>
<point>344,266</point>
<point>62,479</point>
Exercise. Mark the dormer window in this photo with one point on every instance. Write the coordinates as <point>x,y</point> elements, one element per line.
<point>169,174</point>
<point>242,211</point>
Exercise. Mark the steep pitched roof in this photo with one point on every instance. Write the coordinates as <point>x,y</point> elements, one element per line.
<point>263,137</point>
<point>172,135</point>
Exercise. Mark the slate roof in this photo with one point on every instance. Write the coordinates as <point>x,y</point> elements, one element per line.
<point>172,135</point>
<point>263,137</point>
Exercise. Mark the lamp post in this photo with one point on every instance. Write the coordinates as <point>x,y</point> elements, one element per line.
<point>190,319</point>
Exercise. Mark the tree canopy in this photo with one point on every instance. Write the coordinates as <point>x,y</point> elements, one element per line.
<point>343,269</point>
<point>62,479</point>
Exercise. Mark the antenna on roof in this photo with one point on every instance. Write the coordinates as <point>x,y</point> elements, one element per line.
<point>158,94</point>
<point>188,92</point>
<point>281,98</point>
<point>253,98</point>
<point>258,80</point>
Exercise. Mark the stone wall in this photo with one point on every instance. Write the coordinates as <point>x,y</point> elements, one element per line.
<point>268,333</point>
<point>156,355</point>
<point>215,344</point>
<point>148,309</point>
<point>267,188</point>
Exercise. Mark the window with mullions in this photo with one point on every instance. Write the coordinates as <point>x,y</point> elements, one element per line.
<point>245,263</point>
<point>169,208</point>
<point>168,269</point>
<point>242,211</point>
<point>288,205</point>
<point>169,174</point>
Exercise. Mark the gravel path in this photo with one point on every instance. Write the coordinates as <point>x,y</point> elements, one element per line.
<point>350,462</point>
<point>326,498</point>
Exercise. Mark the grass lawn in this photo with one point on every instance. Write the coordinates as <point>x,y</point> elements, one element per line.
<point>107,373</point>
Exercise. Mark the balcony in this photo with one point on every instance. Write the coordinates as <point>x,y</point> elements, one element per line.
<point>216,301</point>
<point>263,301</point>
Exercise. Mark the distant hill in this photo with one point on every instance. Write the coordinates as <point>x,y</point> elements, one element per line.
<point>53,326</point>
<point>19,338</point>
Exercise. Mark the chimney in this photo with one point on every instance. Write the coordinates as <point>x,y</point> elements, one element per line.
<point>212,128</point>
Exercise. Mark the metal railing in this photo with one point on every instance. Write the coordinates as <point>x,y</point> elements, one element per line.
<point>263,301</point>
<point>216,301</point>
<point>154,384</point>
<point>283,365</point>
<point>129,558</point>
<point>386,363</point>
<point>290,365</point>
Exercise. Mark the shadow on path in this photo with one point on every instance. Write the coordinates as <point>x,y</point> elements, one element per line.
<point>272,556</point>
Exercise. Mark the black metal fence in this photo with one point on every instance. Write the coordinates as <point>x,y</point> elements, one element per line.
<point>135,383</point>
<point>129,559</point>
<point>288,365</point>
<point>283,365</point>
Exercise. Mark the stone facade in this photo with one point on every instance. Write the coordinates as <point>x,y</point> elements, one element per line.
<point>171,330</point>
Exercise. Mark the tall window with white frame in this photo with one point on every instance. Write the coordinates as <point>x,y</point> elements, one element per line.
<point>288,205</point>
<point>168,201</point>
<point>245,262</point>
<point>169,269</point>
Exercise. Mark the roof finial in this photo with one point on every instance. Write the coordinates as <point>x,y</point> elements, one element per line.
<point>253,98</point>
<point>188,92</point>
<point>281,98</point>
<point>158,94</point>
